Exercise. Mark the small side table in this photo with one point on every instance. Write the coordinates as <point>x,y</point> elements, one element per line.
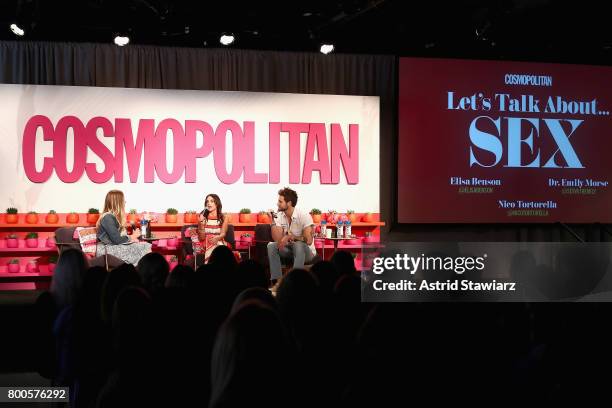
<point>334,239</point>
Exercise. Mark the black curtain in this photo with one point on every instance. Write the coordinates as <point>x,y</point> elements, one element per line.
<point>87,64</point>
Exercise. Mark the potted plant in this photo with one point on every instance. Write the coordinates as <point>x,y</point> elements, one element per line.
<point>92,215</point>
<point>52,217</point>
<point>172,242</point>
<point>13,266</point>
<point>31,240</point>
<point>32,266</point>
<point>132,216</point>
<point>11,215</point>
<point>171,215</point>
<point>12,241</point>
<point>352,217</point>
<point>367,217</point>
<point>52,263</point>
<point>245,215</point>
<point>246,238</point>
<point>72,218</point>
<point>31,217</point>
<point>50,242</point>
<point>190,217</point>
<point>263,217</point>
<point>173,262</point>
<point>316,215</point>
<point>332,216</point>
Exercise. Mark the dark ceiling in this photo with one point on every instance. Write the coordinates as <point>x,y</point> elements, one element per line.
<point>539,30</point>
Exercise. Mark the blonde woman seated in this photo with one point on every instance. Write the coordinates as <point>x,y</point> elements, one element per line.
<point>113,235</point>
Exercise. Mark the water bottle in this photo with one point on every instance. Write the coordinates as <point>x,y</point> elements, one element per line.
<point>347,229</point>
<point>324,228</point>
<point>143,227</point>
<point>340,229</point>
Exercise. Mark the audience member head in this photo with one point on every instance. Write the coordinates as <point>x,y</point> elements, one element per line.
<point>260,294</point>
<point>326,274</point>
<point>67,280</point>
<point>153,270</point>
<point>118,279</point>
<point>344,263</point>
<point>223,259</point>
<point>182,276</point>
<point>131,321</point>
<point>93,282</point>
<point>250,349</point>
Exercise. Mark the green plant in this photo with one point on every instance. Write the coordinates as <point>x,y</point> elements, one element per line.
<point>31,235</point>
<point>133,211</point>
<point>12,236</point>
<point>53,259</point>
<point>172,211</point>
<point>245,211</point>
<point>93,211</point>
<point>11,210</point>
<point>14,261</point>
<point>173,258</point>
<point>350,212</point>
<point>263,213</point>
<point>72,212</point>
<point>52,212</point>
<point>246,235</point>
<point>32,212</point>
<point>315,211</point>
<point>190,212</point>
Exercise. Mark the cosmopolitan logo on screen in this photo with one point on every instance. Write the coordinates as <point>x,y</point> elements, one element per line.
<point>503,142</point>
<point>65,146</point>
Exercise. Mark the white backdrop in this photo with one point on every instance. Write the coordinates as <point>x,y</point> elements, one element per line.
<point>18,103</point>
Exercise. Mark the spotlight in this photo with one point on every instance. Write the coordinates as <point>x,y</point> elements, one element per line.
<point>17,30</point>
<point>227,39</point>
<point>327,48</point>
<point>122,40</point>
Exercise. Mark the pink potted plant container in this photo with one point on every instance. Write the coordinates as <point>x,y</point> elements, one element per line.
<point>32,266</point>
<point>12,241</point>
<point>51,242</point>
<point>13,266</point>
<point>31,240</point>
<point>172,242</point>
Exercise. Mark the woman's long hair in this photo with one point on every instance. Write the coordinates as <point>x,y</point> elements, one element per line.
<point>114,203</point>
<point>217,201</point>
<point>250,348</point>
